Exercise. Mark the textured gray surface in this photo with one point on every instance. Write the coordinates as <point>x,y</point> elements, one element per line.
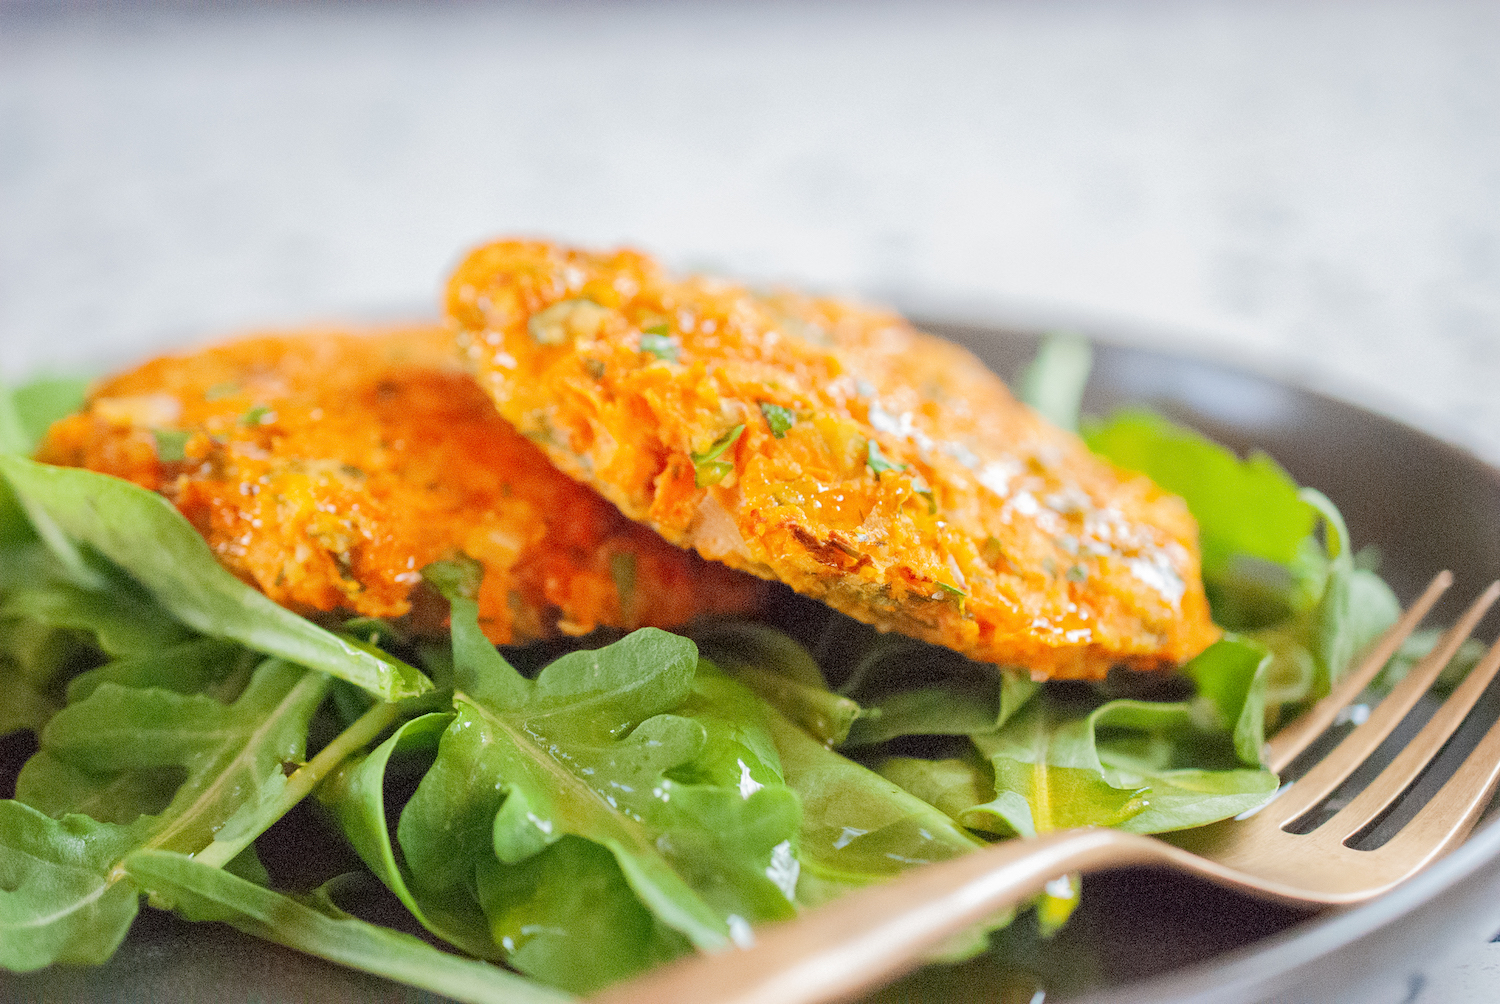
<point>1310,187</point>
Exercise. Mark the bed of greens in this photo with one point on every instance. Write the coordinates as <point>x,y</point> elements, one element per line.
<point>554,819</point>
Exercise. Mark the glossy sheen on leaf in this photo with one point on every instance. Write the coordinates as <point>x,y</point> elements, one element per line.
<point>637,748</point>
<point>858,827</point>
<point>568,900</point>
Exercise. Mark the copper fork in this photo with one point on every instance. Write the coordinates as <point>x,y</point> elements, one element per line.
<point>840,950</point>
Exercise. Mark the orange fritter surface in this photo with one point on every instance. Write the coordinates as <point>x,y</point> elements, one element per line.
<point>839,450</point>
<point>327,469</point>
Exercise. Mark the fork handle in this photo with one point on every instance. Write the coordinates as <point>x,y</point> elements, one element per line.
<point>870,937</point>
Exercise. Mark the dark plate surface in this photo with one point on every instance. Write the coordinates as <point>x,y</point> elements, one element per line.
<point>1140,936</point>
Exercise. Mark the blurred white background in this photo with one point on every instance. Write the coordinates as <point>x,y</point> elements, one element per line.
<point>1313,188</point>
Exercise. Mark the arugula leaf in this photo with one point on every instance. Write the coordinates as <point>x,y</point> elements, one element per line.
<point>58,900</point>
<point>1120,764</point>
<point>158,770</point>
<point>689,803</point>
<point>140,531</point>
<point>858,827</point>
<point>568,900</point>
<point>176,768</point>
<point>1232,676</point>
<point>1053,383</point>
<point>781,672</point>
<point>911,688</point>
<point>25,705</point>
<point>187,668</point>
<point>356,793</point>
<point>201,892</point>
<point>542,910</point>
<point>32,658</point>
<point>1312,650</point>
<point>27,411</point>
<point>120,620</point>
<point>954,784</point>
<point>1243,507</point>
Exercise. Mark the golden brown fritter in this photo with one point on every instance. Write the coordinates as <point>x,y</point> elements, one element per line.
<point>328,468</point>
<point>837,449</point>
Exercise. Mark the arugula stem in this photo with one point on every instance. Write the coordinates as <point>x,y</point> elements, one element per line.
<point>305,779</point>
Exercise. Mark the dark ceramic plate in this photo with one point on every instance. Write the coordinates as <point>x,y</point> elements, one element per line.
<point>1141,936</point>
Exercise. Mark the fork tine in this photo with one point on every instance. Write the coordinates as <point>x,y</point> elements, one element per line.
<point>1292,739</point>
<point>1393,781</point>
<point>1446,820</point>
<point>1357,746</point>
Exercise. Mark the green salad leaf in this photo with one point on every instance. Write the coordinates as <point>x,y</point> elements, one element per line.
<point>127,767</point>
<point>1232,677</point>
<point>140,531</point>
<point>201,892</point>
<point>1126,763</point>
<point>33,659</point>
<point>783,673</point>
<point>176,768</point>
<point>1314,648</point>
<point>910,688</point>
<point>858,827</point>
<point>639,749</point>
<point>1243,507</point>
<point>356,793</point>
<point>1053,383</point>
<point>117,618</point>
<point>27,411</point>
<point>59,901</point>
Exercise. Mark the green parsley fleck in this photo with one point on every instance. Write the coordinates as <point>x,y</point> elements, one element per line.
<point>259,415</point>
<point>219,391</point>
<point>877,462</point>
<point>1077,573</point>
<point>663,347</point>
<point>956,594</point>
<point>709,469</point>
<point>171,444</point>
<point>778,418</point>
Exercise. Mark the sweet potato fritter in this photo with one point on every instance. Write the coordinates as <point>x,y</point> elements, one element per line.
<point>837,449</point>
<point>327,469</point>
